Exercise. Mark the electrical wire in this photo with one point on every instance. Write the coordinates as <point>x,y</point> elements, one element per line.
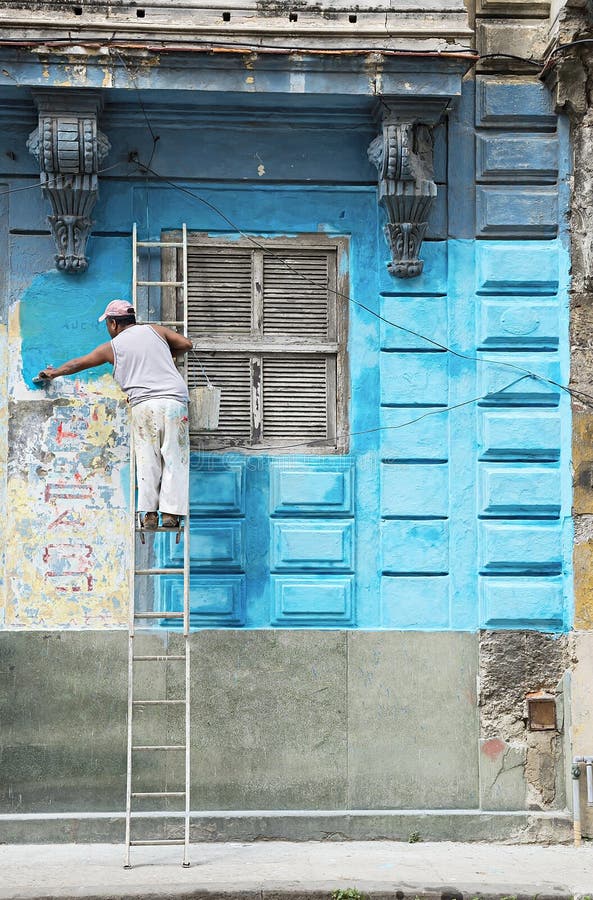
<point>321,442</point>
<point>437,344</point>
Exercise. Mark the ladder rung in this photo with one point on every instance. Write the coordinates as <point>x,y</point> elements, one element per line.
<point>179,842</point>
<point>156,322</point>
<point>158,244</point>
<point>161,283</point>
<point>157,702</point>
<point>159,615</point>
<point>155,659</point>
<point>158,746</point>
<point>170,571</point>
<point>158,793</point>
<point>174,530</point>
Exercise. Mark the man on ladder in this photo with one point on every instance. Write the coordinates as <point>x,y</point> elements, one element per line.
<point>143,366</point>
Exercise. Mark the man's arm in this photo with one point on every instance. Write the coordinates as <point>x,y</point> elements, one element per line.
<point>177,342</point>
<point>98,356</point>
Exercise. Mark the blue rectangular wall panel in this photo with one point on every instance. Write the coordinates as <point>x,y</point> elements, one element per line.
<point>521,603</point>
<point>217,487</point>
<point>415,603</point>
<point>433,279</point>
<point>514,102</point>
<point>214,544</point>
<point>517,157</point>
<point>421,315</point>
<point>214,600</point>
<point>415,548</point>
<point>522,548</point>
<point>518,323</point>
<point>520,435</point>
<point>414,379</point>
<point>502,385</point>
<point>517,267</point>
<point>316,488</point>
<point>414,434</point>
<point>415,491</point>
<point>519,492</point>
<point>306,600</point>
<point>506,211</point>
<point>298,545</point>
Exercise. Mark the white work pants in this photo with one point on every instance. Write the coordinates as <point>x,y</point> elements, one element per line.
<point>161,449</point>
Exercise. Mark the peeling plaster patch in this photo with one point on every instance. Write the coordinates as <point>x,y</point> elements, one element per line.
<point>250,80</point>
<point>3,459</point>
<point>512,664</point>
<point>68,545</point>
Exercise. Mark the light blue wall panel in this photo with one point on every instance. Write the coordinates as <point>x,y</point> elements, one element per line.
<point>217,487</point>
<point>521,603</point>
<point>519,492</point>
<point>433,279</point>
<point>312,545</point>
<point>513,211</point>
<point>520,548</point>
<point>518,323</point>
<point>517,157</point>
<point>413,548</point>
<point>415,491</point>
<point>427,438</point>
<point>414,379</point>
<point>505,267</point>
<point>415,603</point>
<point>420,315</point>
<point>504,380</point>
<point>301,599</point>
<point>214,600</point>
<point>529,436</point>
<point>514,102</point>
<point>314,489</point>
<point>214,544</point>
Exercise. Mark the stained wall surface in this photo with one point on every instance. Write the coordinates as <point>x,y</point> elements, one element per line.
<point>449,514</point>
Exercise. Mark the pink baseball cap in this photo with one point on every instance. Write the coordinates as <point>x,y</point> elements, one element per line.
<point>117,308</point>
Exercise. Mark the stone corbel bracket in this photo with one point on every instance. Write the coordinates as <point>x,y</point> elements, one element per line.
<point>403,155</point>
<point>70,148</point>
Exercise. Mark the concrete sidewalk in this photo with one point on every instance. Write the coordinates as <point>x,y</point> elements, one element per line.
<point>277,870</point>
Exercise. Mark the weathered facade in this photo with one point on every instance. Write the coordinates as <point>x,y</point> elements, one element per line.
<point>382,529</point>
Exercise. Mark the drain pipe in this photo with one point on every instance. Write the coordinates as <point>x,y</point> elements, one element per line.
<point>577,762</point>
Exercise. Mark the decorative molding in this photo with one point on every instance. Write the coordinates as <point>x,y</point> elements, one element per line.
<point>70,148</point>
<point>403,155</point>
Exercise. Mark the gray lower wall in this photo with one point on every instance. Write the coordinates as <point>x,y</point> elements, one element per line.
<point>291,721</point>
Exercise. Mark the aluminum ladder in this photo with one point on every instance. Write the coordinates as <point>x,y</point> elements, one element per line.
<point>136,704</point>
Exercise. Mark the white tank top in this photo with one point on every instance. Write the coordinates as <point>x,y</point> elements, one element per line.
<point>144,368</point>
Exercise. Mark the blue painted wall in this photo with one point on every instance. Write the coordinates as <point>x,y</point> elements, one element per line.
<point>458,521</point>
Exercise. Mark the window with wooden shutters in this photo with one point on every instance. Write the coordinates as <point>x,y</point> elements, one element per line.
<point>268,324</point>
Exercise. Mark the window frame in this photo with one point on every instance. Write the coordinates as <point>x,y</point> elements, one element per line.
<point>256,345</point>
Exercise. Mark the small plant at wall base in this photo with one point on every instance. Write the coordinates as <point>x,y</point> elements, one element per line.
<point>347,894</point>
<point>414,837</point>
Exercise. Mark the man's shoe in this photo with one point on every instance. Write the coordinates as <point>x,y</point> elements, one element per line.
<point>150,522</point>
<point>168,520</point>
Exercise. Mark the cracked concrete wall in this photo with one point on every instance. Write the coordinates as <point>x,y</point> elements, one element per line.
<point>520,767</point>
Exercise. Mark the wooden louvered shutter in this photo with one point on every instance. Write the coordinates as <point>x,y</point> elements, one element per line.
<point>266,329</point>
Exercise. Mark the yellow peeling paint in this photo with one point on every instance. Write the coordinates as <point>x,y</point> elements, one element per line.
<point>583,585</point>
<point>69,529</point>
<point>107,78</point>
<point>250,80</point>
<point>3,457</point>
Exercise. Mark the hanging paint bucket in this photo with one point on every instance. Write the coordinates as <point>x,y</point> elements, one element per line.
<point>204,407</point>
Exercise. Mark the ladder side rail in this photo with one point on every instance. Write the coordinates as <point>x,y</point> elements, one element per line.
<point>186,580</point>
<point>131,631</point>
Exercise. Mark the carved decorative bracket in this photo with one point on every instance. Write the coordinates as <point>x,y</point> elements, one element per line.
<point>70,148</point>
<point>403,155</point>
